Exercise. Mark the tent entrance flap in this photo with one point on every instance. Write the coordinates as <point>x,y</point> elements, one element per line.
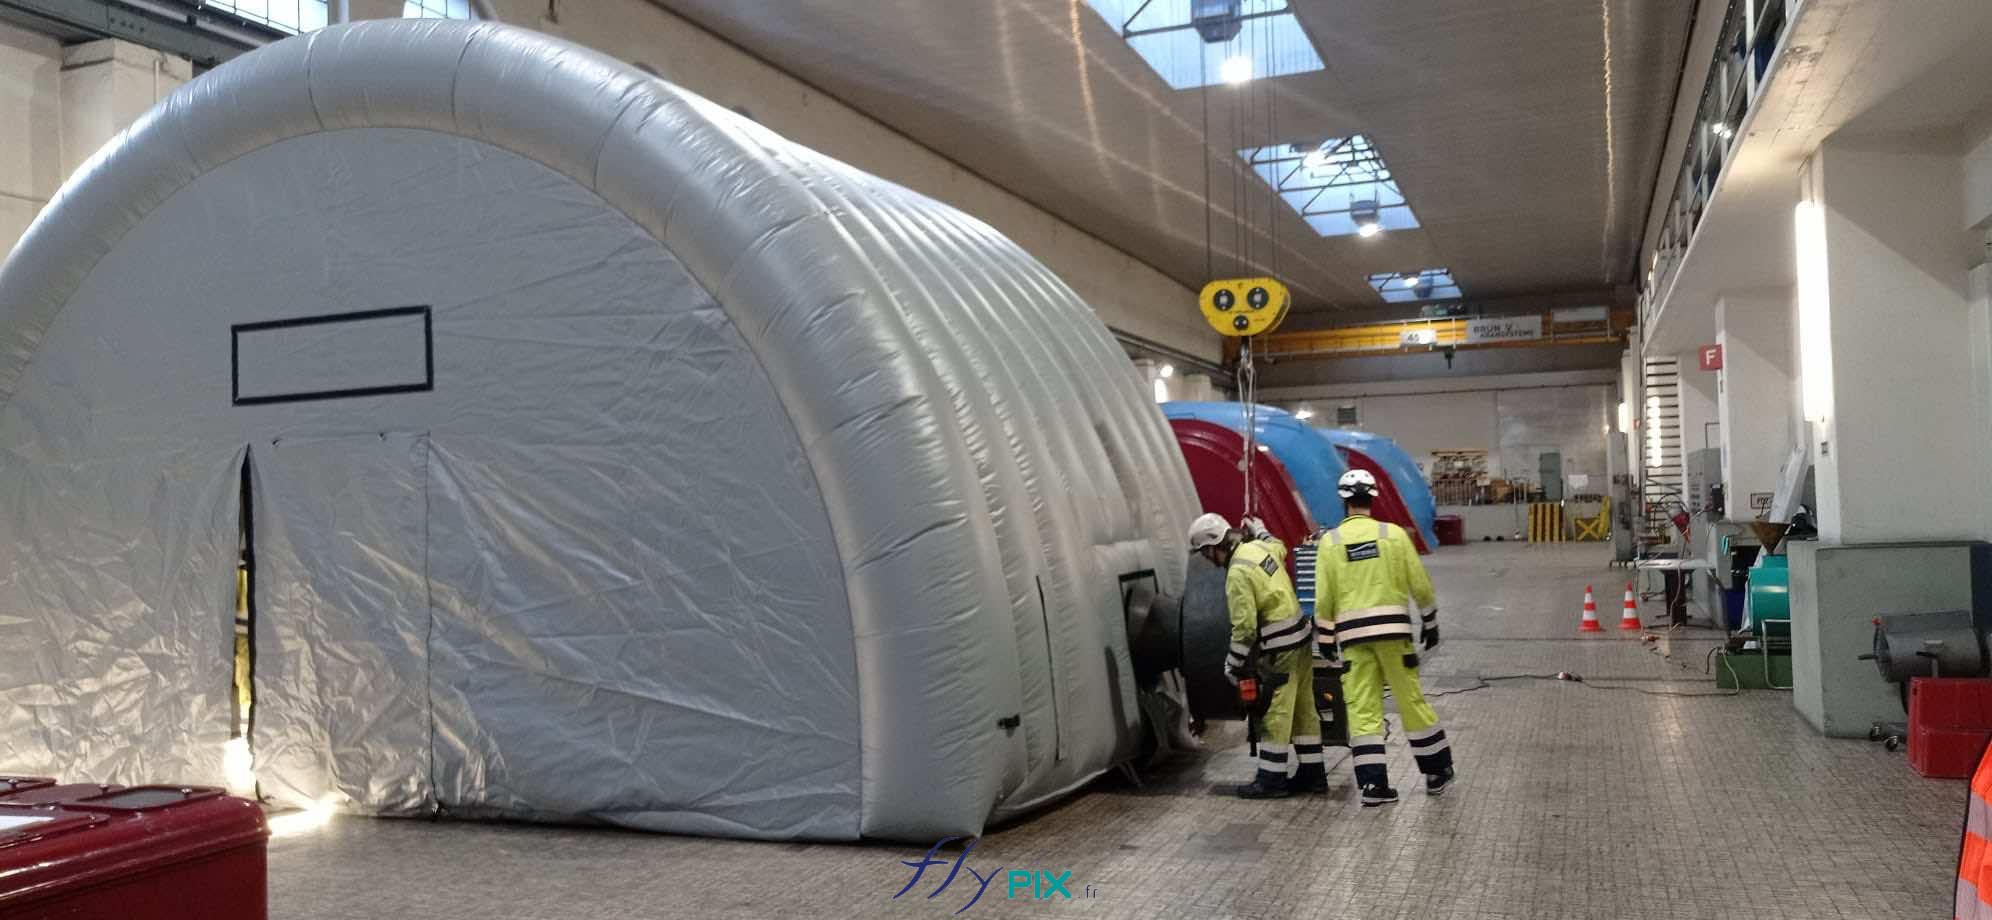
<point>342,621</point>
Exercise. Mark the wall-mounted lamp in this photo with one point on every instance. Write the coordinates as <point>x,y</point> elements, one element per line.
<point>1815,328</point>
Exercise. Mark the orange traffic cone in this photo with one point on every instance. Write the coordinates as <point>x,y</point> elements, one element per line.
<point>1590,623</point>
<point>1629,618</point>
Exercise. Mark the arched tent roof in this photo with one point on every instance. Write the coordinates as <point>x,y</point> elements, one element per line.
<point>1313,463</point>
<point>1404,474</point>
<point>729,490</point>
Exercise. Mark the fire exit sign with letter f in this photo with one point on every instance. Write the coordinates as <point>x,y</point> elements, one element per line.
<point>1711,357</point>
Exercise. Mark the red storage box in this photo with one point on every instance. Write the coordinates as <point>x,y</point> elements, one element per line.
<point>1946,753</point>
<point>1950,702</point>
<point>1950,719</point>
<point>144,853</point>
<point>1451,529</point>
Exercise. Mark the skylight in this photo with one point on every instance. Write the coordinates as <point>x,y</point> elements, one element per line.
<point>282,15</point>
<point>1164,32</point>
<point>1337,186</point>
<point>1413,287</point>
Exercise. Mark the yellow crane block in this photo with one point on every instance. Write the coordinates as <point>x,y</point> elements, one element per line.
<point>1244,307</point>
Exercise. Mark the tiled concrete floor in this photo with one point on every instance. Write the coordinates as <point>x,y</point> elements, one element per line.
<point>1575,802</point>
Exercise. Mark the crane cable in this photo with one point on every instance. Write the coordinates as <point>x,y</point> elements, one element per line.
<point>1248,393</point>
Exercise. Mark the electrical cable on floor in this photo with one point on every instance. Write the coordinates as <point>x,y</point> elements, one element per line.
<point>1483,682</point>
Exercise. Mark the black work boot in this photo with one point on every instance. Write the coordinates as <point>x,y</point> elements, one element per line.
<point>1436,783</point>
<point>1310,777</point>
<point>1375,795</point>
<point>1265,786</point>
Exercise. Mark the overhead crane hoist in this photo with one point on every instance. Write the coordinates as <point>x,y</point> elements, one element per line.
<point>1241,308</point>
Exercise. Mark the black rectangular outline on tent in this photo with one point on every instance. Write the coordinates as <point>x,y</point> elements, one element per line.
<point>428,356</point>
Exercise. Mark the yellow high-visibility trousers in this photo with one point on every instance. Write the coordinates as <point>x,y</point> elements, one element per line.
<point>1371,667</point>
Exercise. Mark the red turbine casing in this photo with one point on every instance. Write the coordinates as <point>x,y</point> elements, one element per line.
<point>1389,506</point>
<point>1213,453</point>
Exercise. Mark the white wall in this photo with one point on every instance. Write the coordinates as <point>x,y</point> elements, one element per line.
<point>30,129</point>
<point>1513,417</point>
<point>59,105</point>
<point>1698,409</point>
<point>1978,183</point>
<point>1897,457</point>
<point>1430,422</point>
<point>1753,392</point>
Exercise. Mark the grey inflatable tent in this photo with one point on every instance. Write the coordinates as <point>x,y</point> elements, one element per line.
<point>603,457</point>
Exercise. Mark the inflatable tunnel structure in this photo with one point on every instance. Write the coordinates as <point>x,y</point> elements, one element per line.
<point>595,453</point>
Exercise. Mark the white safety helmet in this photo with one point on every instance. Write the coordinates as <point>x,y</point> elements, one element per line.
<point>1356,481</point>
<point>1208,530</point>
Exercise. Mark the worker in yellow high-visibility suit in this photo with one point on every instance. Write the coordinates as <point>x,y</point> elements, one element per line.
<point>1266,622</point>
<point>1366,575</point>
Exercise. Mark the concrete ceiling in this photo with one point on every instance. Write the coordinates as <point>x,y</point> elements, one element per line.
<point>1526,134</point>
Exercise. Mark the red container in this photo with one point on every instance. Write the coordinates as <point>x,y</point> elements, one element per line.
<point>144,853</point>
<point>1451,529</point>
<point>1946,753</point>
<point>14,785</point>
<point>57,794</point>
<point>1950,702</point>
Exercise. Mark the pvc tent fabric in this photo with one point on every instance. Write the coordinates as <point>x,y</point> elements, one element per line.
<point>729,490</point>
<point>1314,464</point>
<point>1404,474</point>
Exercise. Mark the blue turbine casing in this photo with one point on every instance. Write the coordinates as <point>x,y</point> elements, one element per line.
<point>1313,462</point>
<point>1404,474</point>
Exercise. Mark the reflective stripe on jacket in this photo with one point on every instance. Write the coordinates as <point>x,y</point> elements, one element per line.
<point>1260,595</point>
<point>1365,573</point>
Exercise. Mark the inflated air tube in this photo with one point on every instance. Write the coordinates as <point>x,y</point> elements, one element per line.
<point>608,458</point>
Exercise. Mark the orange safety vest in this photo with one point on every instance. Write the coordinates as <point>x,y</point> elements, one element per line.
<point>1974,863</point>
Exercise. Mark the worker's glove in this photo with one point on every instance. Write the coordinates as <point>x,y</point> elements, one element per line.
<point>1330,652</point>
<point>1255,527</point>
<point>1432,636</point>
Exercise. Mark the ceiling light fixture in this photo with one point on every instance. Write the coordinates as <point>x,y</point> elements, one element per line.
<point>1167,370</point>
<point>1236,69</point>
<point>1410,279</point>
<point>1368,217</point>
<point>1303,413</point>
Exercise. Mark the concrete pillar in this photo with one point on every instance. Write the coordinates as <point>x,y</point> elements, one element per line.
<point>374,9</point>
<point>30,120</point>
<point>106,85</point>
<point>1753,393</point>
<point>1698,411</point>
<point>1887,349</point>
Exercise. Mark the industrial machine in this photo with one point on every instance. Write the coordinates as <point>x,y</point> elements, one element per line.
<point>1943,643</point>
